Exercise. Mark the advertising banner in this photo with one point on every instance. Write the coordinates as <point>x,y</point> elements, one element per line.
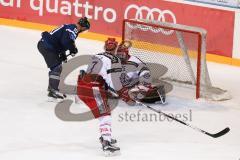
<point>227,3</point>
<point>106,16</point>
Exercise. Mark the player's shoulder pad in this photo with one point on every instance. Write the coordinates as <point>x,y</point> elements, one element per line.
<point>72,30</point>
<point>133,61</point>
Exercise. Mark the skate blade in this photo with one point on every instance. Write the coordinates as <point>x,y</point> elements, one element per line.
<point>111,154</point>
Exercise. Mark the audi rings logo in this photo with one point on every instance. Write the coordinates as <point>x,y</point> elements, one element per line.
<point>151,14</point>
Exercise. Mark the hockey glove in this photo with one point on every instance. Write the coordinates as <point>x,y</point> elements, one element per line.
<point>74,52</point>
<point>63,57</point>
<point>73,49</point>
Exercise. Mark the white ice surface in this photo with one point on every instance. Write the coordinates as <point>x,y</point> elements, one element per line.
<point>30,130</point>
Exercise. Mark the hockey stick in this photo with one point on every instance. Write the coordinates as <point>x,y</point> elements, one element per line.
<point>216,135</point>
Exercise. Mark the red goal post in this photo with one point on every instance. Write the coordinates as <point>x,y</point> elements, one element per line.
<point>180,48</point>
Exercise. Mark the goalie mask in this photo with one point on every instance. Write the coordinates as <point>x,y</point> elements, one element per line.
<point>123,51</point>
<point>110,44</point>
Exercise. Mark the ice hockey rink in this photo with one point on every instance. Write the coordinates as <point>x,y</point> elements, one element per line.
<point>30,130</point>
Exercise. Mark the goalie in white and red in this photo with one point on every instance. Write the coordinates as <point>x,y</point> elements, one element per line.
<point>136,77</point>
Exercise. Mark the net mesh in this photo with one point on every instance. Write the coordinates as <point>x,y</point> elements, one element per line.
<point>172,53</point>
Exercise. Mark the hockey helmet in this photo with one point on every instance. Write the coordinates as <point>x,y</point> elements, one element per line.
<point>110,44</point>
<point>123,50</point>
<point>84,22</point>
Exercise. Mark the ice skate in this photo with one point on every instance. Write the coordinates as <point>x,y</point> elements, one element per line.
<point>109,149</point>
<point>113,141</point>
<point>55,96</point>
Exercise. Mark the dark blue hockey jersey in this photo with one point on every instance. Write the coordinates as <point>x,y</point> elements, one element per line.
<point>61,39</point>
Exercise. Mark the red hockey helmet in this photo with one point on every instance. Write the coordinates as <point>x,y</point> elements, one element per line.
<point>123,50</point>
<point>110,44</point>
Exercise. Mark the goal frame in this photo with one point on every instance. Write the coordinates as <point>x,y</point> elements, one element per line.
<point>169,26</point>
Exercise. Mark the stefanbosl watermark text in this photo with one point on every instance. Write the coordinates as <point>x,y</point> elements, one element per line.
<point>141,116</point>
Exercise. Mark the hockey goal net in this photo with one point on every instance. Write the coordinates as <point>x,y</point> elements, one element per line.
<point>175,54</point>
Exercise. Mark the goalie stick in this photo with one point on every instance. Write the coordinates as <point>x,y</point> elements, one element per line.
<point>216,135</point>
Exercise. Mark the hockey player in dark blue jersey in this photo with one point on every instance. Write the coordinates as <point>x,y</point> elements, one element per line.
<point>53,46</point>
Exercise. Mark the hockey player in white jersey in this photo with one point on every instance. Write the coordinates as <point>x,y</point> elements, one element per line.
<point>93,86</point>
<point>136,76</point>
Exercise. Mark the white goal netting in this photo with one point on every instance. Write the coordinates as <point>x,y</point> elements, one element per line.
<point>175,53</point>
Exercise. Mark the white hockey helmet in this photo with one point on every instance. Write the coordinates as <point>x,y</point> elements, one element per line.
<point>123,50</point>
